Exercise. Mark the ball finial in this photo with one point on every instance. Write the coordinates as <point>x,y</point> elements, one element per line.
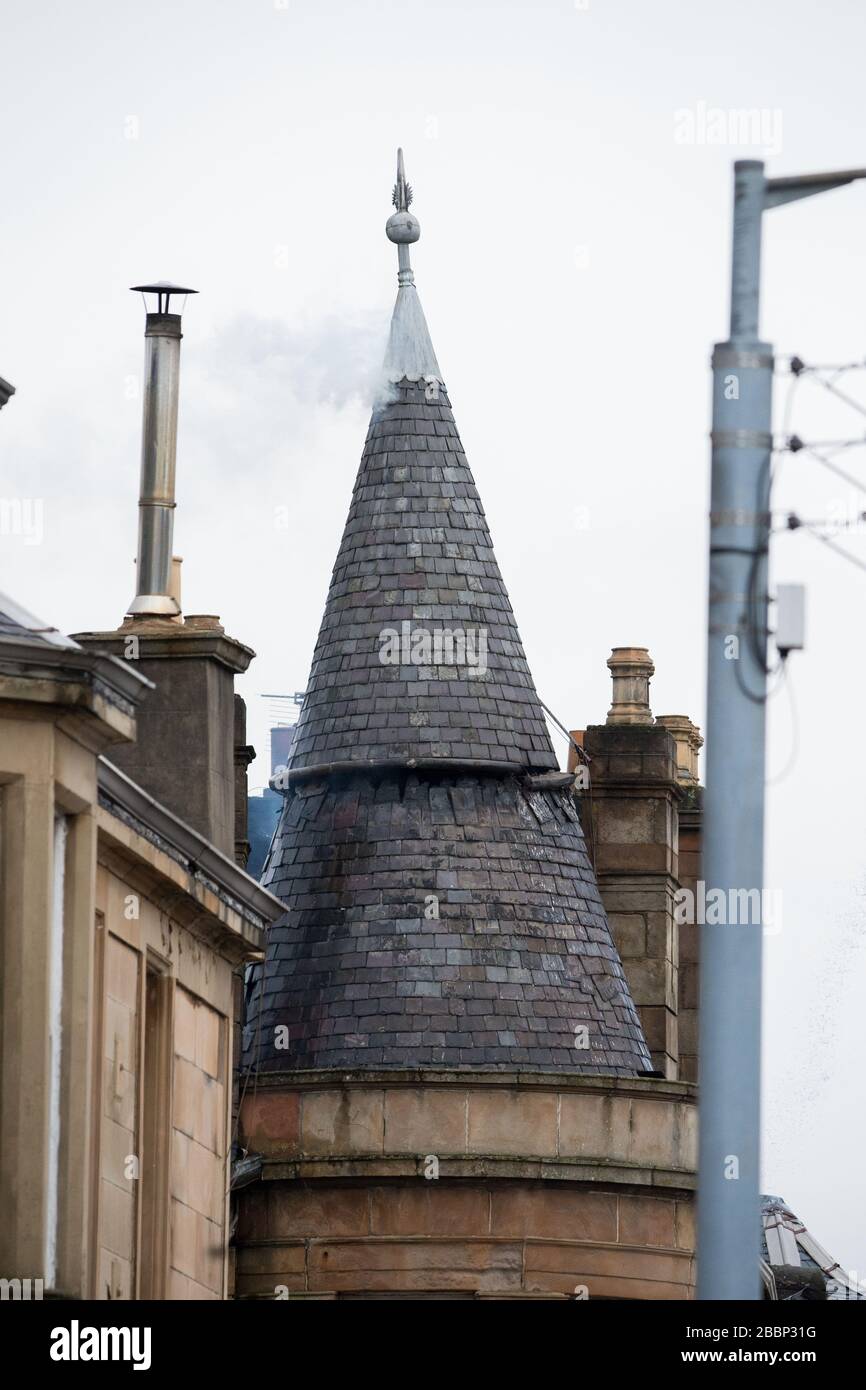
<point>402,227</point>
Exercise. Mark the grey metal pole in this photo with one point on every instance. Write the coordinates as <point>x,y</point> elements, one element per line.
<point>730,951</point>
<point>158,456</point>
<point>731,939</point>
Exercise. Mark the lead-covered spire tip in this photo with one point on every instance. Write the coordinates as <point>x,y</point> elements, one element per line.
<point>402,227</point>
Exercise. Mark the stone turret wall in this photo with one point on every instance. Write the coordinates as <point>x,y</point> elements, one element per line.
<point>461,1184</point>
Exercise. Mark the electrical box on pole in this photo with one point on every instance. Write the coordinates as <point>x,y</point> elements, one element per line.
<point>790,634</point>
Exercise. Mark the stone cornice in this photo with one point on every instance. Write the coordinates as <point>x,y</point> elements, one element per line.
<point>165,638</point>
<point>652,1088</point>
<point>597,1170</point>
<point>92,695</point>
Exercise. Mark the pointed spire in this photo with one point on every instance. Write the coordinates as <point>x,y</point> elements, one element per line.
<point>417,560</point>
<point>410,351</point>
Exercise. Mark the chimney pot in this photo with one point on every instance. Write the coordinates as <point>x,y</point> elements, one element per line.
<point>689,743</point>
<point>630,669</point>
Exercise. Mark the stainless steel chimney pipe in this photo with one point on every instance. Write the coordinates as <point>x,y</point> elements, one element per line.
<point>158,455</point>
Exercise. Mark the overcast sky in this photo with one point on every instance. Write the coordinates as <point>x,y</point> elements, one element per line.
<point>573,269</point>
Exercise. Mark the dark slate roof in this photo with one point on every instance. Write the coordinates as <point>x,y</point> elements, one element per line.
<point>21,626</point>
<point>441,910</point>
<point>363,972</point>
<point>416,550</point>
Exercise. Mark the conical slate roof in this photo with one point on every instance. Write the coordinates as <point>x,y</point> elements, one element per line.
<point>437,920</point>
<point>441,909</point>
<point>416,562</point>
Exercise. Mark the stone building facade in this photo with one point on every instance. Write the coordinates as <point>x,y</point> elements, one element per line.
<point>126,920</point>
<point>122,930</point>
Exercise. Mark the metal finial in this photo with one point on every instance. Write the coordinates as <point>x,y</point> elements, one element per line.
<point>410,352</point>
<point>402,227</point>
<point>402,194</point>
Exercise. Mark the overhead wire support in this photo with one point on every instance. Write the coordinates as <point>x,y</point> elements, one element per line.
<point>795,445</point>
<point>827,376</point>
<point>796,524</point>
<point>797,367</point>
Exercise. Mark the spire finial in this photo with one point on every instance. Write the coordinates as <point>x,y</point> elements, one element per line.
<point>402,195</point>
<point>410,352</point>
<point>402,227</point>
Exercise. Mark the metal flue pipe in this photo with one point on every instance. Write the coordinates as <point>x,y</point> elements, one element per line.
<point>156,504</point>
